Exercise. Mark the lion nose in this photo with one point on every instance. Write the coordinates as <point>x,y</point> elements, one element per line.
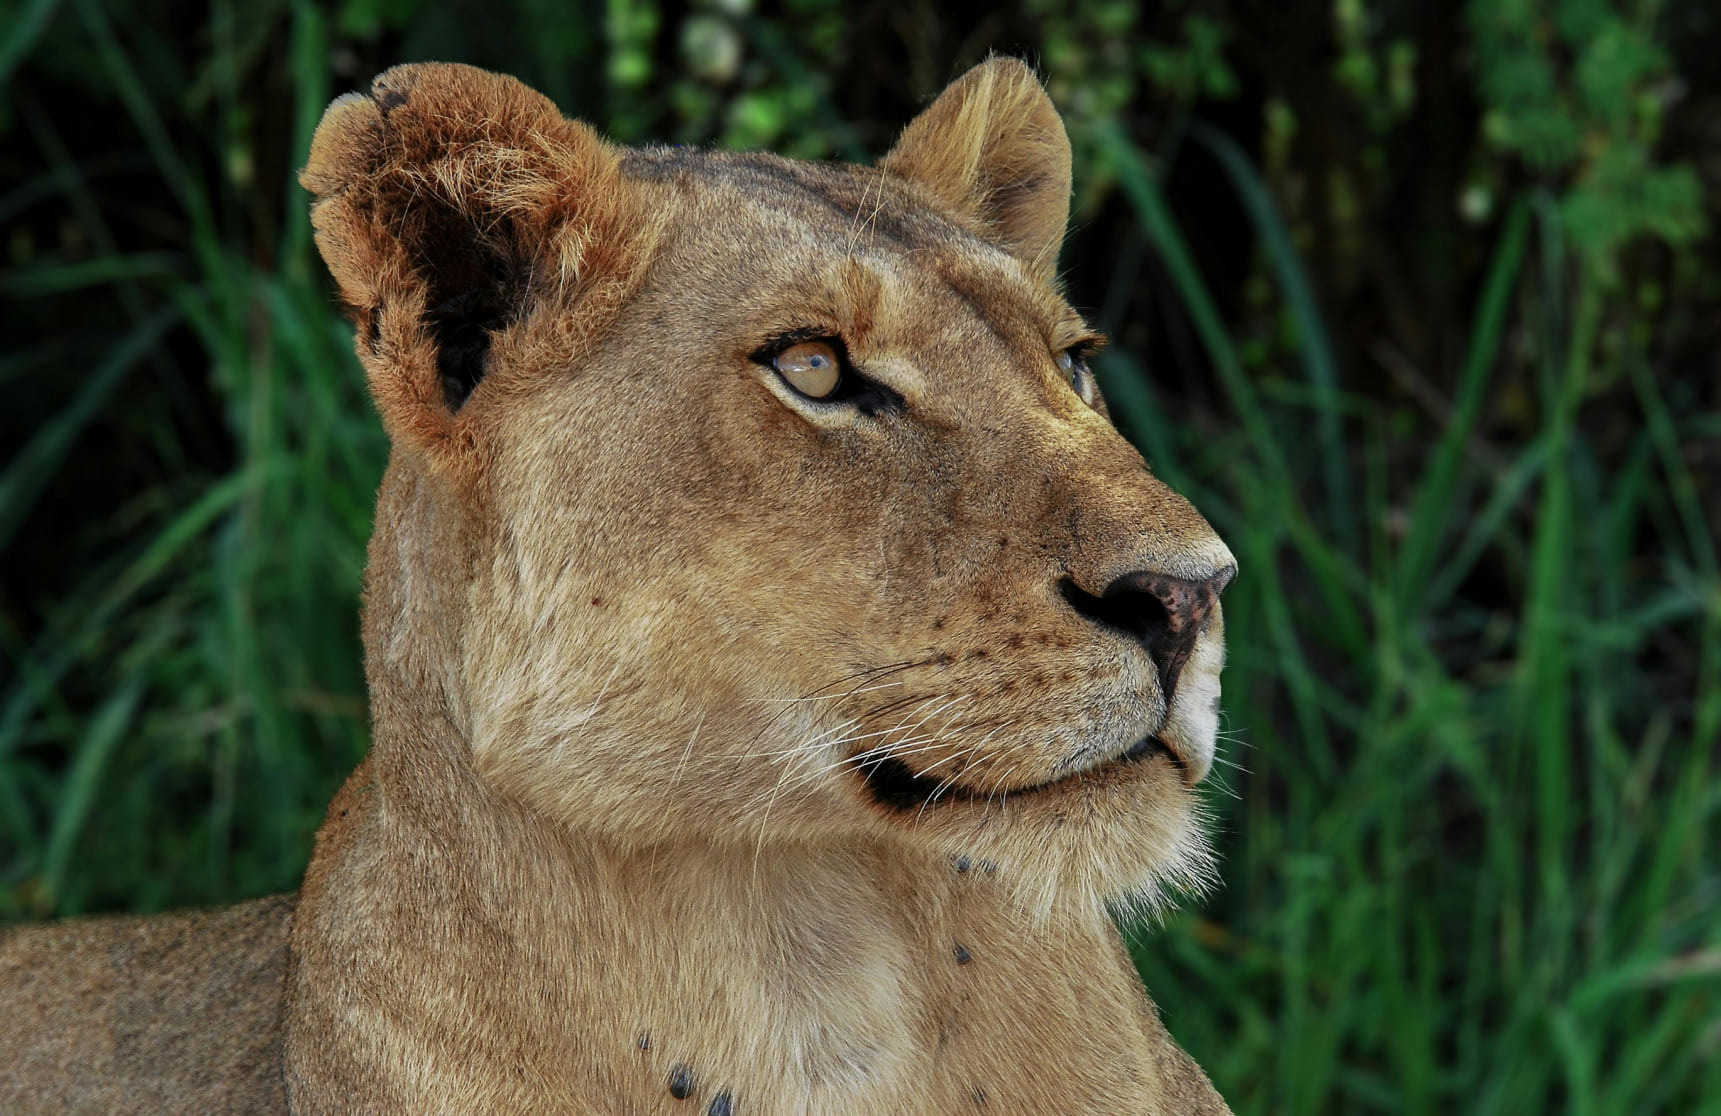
<point>1165,614</point>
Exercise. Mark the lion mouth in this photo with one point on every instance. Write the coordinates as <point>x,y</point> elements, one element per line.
<point>896,786</point>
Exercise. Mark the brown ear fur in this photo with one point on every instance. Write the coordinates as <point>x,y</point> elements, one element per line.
<point>993,148</point>
<point>453,205</point>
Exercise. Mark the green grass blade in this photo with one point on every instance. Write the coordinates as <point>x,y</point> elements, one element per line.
<point>59,647</point>
<point>311,95</point>
<point>91,757</point>
<point>27,27</point>
<point>1430,518</point>
<point>1142,188</point>
<point>1335,580</point>
<point>53,279</point>
<point>134,95</point>
<point>1313,338</point>
<point>29,472</point>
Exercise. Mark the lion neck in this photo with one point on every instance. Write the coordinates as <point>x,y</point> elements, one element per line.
<point>882,971</point>
<point>546,884</point>
<point>646,958</point>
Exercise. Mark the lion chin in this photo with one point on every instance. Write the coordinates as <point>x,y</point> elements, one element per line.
<point>779,664</point>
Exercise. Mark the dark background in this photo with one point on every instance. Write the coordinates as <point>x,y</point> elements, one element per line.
<point>1419,302</point>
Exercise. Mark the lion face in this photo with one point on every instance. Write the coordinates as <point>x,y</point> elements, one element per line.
<point>820,531</point>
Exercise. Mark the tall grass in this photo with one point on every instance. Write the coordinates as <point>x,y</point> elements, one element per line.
<point>1470,849</point>
<point>1474,867</point>
<point>172,732</point>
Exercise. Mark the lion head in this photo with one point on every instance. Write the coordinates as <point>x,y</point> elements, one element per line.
<point>749,501</point>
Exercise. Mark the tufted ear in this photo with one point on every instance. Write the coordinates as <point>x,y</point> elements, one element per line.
<point>993,148</point>
<point>453,206</point>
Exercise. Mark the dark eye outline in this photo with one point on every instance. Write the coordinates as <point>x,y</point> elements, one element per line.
<point>853,389</point>
<point>1080,376</point>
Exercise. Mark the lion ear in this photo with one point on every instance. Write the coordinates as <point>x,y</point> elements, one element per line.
<point>451,205</point>
<point>992,147</point>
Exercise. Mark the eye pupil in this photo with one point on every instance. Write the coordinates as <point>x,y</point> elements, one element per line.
<point>810,367</point>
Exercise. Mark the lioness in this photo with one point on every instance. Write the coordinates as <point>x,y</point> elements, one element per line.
<point>778,662</point>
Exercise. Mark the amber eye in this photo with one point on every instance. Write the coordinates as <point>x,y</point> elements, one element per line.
<point>811,368</point>
<point>1075,369</point>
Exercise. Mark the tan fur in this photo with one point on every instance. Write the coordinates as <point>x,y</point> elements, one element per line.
<point>178,1013</point>
<point>635,612</point>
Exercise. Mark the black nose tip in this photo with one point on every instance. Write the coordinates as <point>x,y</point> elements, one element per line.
<point>1165,614</point>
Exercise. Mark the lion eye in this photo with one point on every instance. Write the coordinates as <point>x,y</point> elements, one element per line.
<point>811,368</point>
<point>1075,370</point>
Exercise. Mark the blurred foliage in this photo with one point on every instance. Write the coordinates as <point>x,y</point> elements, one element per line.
<point>1578,90</point>
<point>1419,302</point>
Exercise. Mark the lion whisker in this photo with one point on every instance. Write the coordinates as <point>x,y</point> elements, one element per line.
<point>958,769</point>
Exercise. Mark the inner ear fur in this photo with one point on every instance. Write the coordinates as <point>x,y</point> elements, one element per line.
<point>453,205</point>
<point>993,149</point>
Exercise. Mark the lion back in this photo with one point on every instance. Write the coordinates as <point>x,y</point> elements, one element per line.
<point>176,1013</point>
